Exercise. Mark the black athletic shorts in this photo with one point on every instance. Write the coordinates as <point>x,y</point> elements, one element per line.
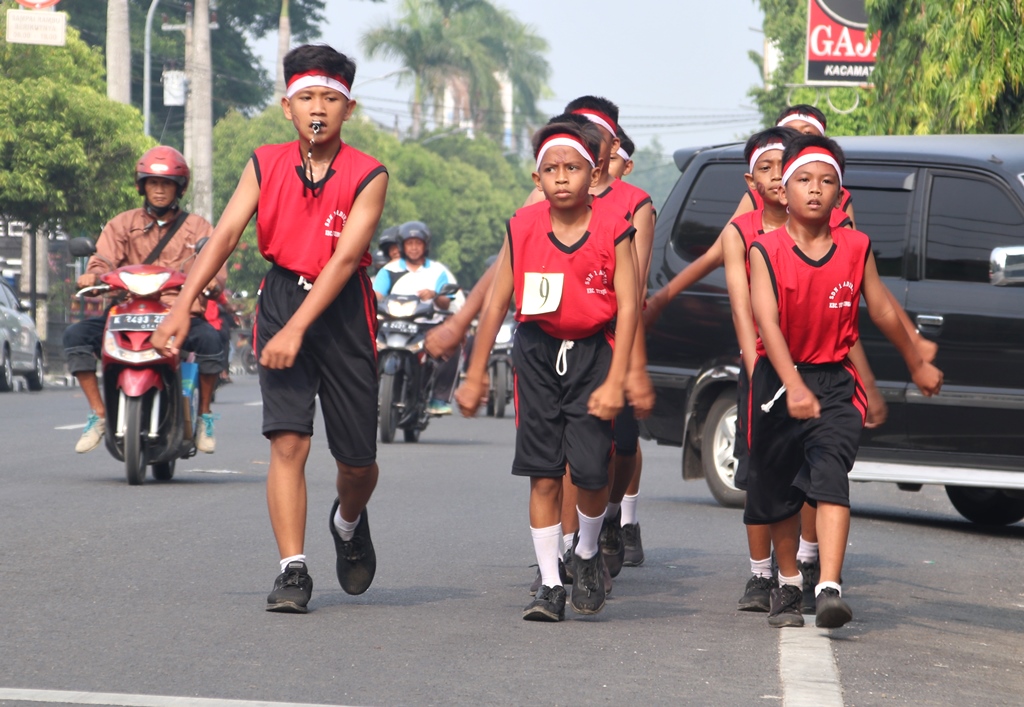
<point>627,432</point>
<point>792,461</point>
<point>337,361</point>
<point>740,450</point>
<point>552,423</point>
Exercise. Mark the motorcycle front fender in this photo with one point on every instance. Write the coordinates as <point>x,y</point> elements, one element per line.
<point>136,381</point>
<point>392,363</point>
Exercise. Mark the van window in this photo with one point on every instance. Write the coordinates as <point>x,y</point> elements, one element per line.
<point>883,214</point>
<point>967,218</point>
<point>710,203</point>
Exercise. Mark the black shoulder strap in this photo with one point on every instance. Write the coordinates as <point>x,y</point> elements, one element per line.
<point>151,258</point>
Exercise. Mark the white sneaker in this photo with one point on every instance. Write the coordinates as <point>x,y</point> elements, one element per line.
<point>92,435</point>
<point>205,441</point>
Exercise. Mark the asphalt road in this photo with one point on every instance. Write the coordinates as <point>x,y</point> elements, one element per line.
<point>159,590</point>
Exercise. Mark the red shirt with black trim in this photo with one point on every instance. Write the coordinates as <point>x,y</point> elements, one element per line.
<point>624,198</point>
<point>818,301</point>
<point>298,223</point>
<point>751,225</point>
<point>582,274</point>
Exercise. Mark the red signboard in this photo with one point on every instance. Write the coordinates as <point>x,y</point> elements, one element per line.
<point>839,52</point>
<point>37,4</point>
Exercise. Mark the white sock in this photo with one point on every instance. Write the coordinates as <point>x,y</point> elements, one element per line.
<point>833,585</point>
<point>611,510</point>
<point>567,542</point>
<point>761,568</point>
<point>796,580</point>
<point>345,529</point>
<point>293,558</point>
<point>629,510</point>
<point>590,531</point>
<point>545,545</point>
<point>808,552</point>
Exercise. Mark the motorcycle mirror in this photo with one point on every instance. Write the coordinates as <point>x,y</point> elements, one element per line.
<point>201,243</point>
<point>81,247</point>
<point>448,290</point>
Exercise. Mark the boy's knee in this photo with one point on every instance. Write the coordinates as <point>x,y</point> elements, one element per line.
<point>289,445</point>
<point>357,473</point>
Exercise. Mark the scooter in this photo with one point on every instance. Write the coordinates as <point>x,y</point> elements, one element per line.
<point>499,369</point>
<point>153,397</point>
<point>407,373</point>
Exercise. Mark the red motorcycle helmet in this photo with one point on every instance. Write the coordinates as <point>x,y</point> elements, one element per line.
<point>162,161</point>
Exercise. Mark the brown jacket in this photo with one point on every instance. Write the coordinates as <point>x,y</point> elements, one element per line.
<point>131,236</point>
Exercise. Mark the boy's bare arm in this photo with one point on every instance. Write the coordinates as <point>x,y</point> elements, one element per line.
<point>692,273</point>
<point>469,394</point>
<point>442,340</point>
<point>607,400</point>
<point>283,347</point>
<point>800,401</point>
<point>643,222</point>
<point>171,333</point>
<point>736,282</point>
<point>926,377</point>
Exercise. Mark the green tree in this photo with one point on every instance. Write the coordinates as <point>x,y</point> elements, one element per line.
<point>949,67</point>
<point>67,152</point>
<point>785,24</point>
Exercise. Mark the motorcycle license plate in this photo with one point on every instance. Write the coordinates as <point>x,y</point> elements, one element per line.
<point>401,327</point>
<point>135,322</point>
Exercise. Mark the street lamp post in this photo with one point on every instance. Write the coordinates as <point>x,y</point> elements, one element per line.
<point>146,67</point>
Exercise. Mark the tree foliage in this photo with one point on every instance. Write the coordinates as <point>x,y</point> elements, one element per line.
<point>785,23</point>
<point>462,189</point>
<point>67,152</point>
<point>955,67</point>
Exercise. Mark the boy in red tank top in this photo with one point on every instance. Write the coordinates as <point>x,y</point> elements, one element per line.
<point>807,405</point>
<point>571,269</point>
<point>318,202</point>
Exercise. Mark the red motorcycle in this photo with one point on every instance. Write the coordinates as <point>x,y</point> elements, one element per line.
<point>154,398</point>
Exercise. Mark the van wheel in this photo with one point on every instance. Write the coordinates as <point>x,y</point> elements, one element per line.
<point>716,451</point>
<point>986,506</point>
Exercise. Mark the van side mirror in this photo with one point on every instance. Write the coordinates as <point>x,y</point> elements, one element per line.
<point>1006,266</point>
<point>81,247</point>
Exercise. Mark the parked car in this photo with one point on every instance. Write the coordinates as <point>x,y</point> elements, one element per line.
<point>21,354</point>
<point>942,212</point>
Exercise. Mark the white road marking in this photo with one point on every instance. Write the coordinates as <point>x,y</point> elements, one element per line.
<point>212,471</point>
<point>258,403</point>
<point>124,700</point>
<point>807,668</point>
<point>71,427</point>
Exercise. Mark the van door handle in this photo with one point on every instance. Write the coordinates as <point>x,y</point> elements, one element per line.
<point>933,321</point>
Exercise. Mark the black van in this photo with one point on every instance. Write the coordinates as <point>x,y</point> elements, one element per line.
<point>946,219</point>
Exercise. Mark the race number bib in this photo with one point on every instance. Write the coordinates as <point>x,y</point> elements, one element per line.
<point>542,292</point>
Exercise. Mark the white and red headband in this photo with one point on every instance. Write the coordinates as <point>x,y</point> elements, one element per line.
<point>808,155</point>
<point>598,118</point>
<point>623,154</point>
<point>805,118</point>
<point>564,140</point>
<point>763,149</point>
<point>312,78</point>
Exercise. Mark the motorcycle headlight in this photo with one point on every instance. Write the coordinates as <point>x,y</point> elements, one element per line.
<point>397,308</point>
<point>144,284</point>
<point>504,334</point>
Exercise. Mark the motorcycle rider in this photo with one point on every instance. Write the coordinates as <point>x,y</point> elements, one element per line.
<point>416,274</point>
<point>131,238</point>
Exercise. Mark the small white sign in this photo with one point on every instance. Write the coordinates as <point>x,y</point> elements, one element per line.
<point>36,27</point>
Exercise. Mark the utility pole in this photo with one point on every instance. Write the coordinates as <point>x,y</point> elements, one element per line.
<point>198,104</point>
<point>119,52</point>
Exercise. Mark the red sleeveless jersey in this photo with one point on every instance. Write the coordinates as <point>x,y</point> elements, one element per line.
<point>582,275</point>
<point>298,229</point>
<point>839,216</point>
<point>623,198</point>
<point>819,300</point>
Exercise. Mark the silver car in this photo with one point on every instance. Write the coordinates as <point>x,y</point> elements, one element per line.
<point>21,354</point>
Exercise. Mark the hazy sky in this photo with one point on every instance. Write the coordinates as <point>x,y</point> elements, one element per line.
<point>677,68</point>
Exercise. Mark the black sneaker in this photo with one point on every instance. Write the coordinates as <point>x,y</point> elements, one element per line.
<point>812,575</point>
<point>832,611</point>
<point>785,607</point>
<point>610,542</point>
<point>548,606</point>
<point>633,555</point>
<point>537,583</point>
<point>588,592</point>
<point>757,595</point>
<point>357,562</point>
<point>292,590</point>
<point>567,564</point>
